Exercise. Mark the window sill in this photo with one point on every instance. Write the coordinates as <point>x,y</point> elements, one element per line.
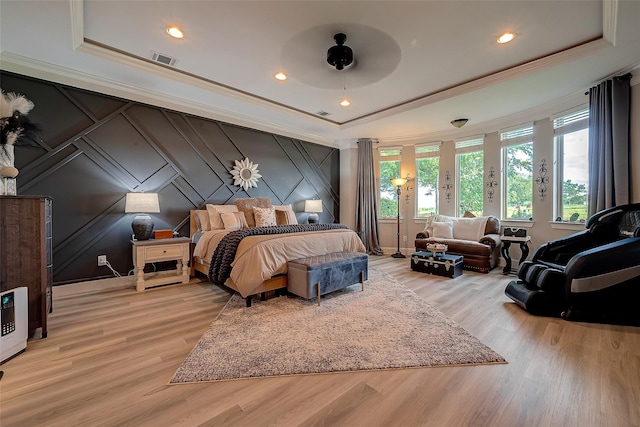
<point>390,220</point>
<point>575,226</point>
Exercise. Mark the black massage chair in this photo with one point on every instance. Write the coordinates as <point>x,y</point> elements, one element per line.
<point>592,275</point>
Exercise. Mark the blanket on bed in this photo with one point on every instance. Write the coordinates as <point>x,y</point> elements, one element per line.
<point>223,256</point>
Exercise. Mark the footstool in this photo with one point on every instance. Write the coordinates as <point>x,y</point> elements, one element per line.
<point>320,274</point>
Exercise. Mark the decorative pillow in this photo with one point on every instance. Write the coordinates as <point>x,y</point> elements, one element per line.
<point>285,215</point>
<point>265,217</point>
<point>442,230</point>
<point>469,228</point>
<point>247,205</point>
<point>428,225</point>
<point>233,220</point>
<point>214,214</point>
<point>202,220</point>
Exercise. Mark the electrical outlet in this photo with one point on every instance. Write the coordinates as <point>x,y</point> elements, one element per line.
<point>404,239</point>
<point>102,260</point>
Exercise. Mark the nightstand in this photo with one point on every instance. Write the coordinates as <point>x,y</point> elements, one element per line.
<point>148,251</point>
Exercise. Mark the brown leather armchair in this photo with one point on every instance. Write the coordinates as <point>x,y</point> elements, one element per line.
<point>482,255</point>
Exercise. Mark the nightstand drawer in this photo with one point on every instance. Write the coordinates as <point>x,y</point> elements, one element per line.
<point>164,252</point>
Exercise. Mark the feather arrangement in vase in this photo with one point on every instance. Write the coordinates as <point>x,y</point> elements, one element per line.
<point>15,129</point>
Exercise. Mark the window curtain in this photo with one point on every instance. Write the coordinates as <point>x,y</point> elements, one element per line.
<point>366,199</point>
<point>609,118</point>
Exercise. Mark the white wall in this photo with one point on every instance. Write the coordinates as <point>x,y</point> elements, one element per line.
<point>541,229</point>
<point>348,184</point>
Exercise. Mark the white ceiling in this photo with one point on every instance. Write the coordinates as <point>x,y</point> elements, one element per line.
<point>418,64</point>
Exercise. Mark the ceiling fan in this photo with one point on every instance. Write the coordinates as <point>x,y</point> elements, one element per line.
<point>340,56</point>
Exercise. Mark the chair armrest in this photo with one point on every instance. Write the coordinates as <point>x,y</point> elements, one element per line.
<point>612,257</point>
<point>491,240</point>
<point>421,235</point>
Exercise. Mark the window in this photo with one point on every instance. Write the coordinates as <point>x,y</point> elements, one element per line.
<point>428,170</point>
<point>469,175</point>
<point>571,137</point>
<point>389,163</point>
<point>517,172</point>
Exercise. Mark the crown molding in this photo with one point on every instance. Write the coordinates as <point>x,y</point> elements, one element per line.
<point>76,10</point>
<point>568,55</point>
<point>490,126</point>
<point>610,20</point>
<point>63,75</point>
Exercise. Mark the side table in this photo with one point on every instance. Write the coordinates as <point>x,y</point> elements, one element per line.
<point>156,250</point>
<point>506,244</point>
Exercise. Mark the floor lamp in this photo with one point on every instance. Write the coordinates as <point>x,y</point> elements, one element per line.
<point>398,182</point>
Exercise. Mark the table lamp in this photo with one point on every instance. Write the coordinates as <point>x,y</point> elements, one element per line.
<point>142,204</point>
<point>313,207</point>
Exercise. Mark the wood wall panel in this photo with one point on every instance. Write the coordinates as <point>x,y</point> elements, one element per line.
<point>96,148</point>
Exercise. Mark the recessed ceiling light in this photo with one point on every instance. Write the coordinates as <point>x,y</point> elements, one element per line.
<point>175,32</point>
<point>280,76</point>
<point>506,38</point>
<point>345,102</point>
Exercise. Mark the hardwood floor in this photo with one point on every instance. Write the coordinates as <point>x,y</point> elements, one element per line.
<point>111,352</point>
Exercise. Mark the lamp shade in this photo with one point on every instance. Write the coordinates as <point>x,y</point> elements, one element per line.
<point>142,203</point>
<point>398,182</point>
<point>313,206</point>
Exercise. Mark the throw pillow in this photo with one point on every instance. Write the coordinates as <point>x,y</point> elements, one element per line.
<point>285,215</point>
<point>470,228</point>
<point>443,230</point>
<point>202,220</point>
<point>214,214</point>
<point>428,225</point>
<point>265,217</point>
<point>247,205</point>
<point>233,220</point>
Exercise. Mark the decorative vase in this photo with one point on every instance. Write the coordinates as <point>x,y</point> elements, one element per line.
<point>8,184</point>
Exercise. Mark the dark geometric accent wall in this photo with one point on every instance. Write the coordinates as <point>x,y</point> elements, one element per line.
<point>96,148</point>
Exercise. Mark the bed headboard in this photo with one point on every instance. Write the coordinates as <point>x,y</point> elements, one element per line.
<point>193,226</point>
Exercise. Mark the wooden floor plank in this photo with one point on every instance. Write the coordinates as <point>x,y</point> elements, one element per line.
<point>111,352</point>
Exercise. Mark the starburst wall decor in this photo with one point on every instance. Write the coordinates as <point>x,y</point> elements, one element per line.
<point>245,174</point>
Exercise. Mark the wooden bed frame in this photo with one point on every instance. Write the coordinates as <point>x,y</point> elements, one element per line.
<point>273,284</point>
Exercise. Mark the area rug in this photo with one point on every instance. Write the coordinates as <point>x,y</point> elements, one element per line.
<point>385,327</point>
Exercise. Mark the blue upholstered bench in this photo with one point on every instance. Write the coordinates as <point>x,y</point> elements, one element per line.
<point>318,275</point>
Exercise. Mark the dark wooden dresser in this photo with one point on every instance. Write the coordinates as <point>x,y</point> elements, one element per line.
<point>26,255</point>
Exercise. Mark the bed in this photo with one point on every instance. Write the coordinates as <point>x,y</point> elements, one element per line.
<point>260,261</point>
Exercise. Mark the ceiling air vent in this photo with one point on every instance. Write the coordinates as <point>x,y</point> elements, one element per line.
<point>162,58</point>
<point>322,113</point>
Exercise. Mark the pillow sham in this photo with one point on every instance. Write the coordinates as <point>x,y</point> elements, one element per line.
<point>202,220</point>
<point>265,217</point>
<point>233,220</point>
<point>214,214</point>
<point>443,230</point>
<point>285,215</point>
<point>247,205</point>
